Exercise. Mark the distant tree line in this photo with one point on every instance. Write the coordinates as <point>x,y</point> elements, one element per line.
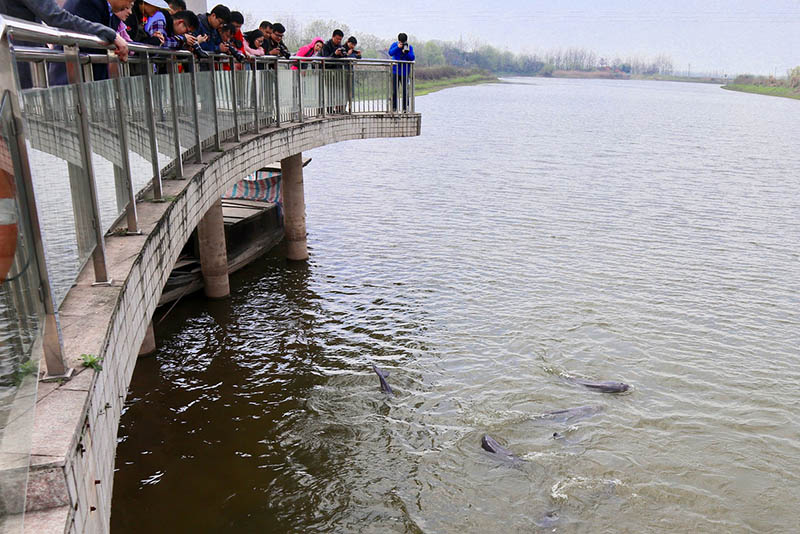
<point>478,56</point>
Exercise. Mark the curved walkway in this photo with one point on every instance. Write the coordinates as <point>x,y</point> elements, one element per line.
<point>74,441</point>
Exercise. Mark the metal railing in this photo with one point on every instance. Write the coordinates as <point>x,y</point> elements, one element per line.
<point>83,135</point>
<point>113,130</point>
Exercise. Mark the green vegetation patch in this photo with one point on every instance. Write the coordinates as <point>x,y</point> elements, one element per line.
<point>431,79</point>
<point>785,92</point>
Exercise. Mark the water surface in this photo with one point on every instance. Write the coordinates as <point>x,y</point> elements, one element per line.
<point>637,231</point>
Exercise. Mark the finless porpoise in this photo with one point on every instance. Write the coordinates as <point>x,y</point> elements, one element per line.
<point>382,377</point>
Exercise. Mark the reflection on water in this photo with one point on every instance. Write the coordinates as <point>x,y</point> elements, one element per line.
<point>635,231</point>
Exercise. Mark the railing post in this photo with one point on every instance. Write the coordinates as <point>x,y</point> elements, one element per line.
<point>173,101</point>
<point>115,72</point>
<point>52,344</point>
<point>215,113</point>
<point>299,93</point>
<point>198,155</point>
<point>151,126</point>
<point>256,98</point>
<point>350,81</point>
<point>391,92</point>
<point>322,89</point>
<point>277,96</point>
<point>234,103</point>
<point>75,77</point>
<point>412,88</point>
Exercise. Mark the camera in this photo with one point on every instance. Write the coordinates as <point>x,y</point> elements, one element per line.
<point>238,56</point>
<point>405,48</point>
<point>343,50</point>
<point>198,51</point>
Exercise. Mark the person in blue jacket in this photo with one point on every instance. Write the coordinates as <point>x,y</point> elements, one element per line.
<point>210,23</point>
<point>401,51</point>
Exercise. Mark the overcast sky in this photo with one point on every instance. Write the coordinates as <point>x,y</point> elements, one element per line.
<point>734,36</point>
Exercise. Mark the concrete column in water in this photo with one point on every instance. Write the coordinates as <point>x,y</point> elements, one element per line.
<point>294,207</point>
<point>213,256</point>
<point>149,342</point>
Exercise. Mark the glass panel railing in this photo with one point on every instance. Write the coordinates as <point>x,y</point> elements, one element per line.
<point>310,84</point>
<point>222,78</point>
<point>21,319</point>
<point>162,112</point>
<point>286,93</point>
<point>52,128</point>
<point>183,90</point>
<point>205,97</point>
<point>139,150</point>
<point>266,100</point>
<point>245,98</point>
<point>104,129</point>
<point>371,88</point>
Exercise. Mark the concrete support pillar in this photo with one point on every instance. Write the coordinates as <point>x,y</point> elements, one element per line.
<point>149,343</point>
<point>213,256</point>
<point>294,207</point>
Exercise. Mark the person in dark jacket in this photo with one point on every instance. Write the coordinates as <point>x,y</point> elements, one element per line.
<point>334,46</point>
<point>274,45</point>
<point>401,51</point>
<point>99,11</point>
<point>49,12</point>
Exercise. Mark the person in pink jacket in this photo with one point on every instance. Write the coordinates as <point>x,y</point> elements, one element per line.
<point>310,50</point>
<point>252,43</point>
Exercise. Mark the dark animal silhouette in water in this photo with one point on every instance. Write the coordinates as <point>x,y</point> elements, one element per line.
<point>548,520</point>
<point>382,377</point>
<point>607,386</point>
<point>489,444</point>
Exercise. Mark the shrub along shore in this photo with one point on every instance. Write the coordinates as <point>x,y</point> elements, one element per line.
<point>788,87</point>
<point>432,79</point>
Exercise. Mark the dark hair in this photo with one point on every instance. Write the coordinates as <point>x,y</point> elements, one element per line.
<point>187,17</point>
<point>265,24</point>
<point>237,17</point>
<point>352,39</point>
<point>180,5</point>
<point>278,27</point>
<point>340,33</point>
<point>251,37</point>
<point>222,13</point>
<point>402,37</point>
<point>226,28</point>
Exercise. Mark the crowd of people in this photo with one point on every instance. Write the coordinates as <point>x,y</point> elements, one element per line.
<point>169,24</point>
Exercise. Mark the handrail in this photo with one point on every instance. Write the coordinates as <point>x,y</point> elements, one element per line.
<point>32,31</point>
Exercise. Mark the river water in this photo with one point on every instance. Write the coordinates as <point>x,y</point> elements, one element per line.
<point>538,230</point>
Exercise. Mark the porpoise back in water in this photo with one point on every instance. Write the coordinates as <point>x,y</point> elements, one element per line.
<point>489,444</point>
<point>382,377</point>
<point>606,386</point>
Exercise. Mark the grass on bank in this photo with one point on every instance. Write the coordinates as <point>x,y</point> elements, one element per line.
<point>432,79</point>
<point>785,92</point>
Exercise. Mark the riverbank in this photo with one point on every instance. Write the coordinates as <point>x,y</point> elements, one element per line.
<point>616,75</point>
<point>425,87</point>
<point>784,92</point>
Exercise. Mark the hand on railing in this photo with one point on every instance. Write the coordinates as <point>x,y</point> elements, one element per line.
<point>122,48</point>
